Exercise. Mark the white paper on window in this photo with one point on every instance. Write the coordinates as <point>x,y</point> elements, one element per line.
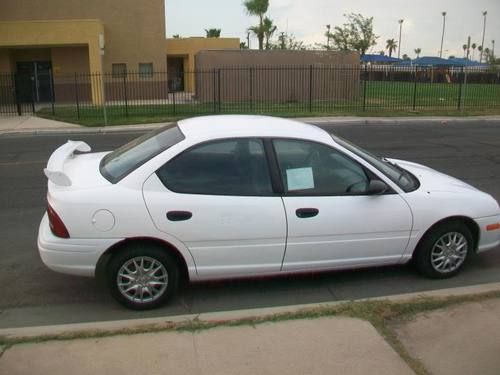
<point>300,178</point>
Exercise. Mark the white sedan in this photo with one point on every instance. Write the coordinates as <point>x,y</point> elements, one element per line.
<point>236,196</point>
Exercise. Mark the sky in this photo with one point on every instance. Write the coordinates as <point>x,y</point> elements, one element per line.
<point>307,20</point>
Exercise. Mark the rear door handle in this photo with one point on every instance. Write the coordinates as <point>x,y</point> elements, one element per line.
<point>304,213</point>
<point>179,215</point>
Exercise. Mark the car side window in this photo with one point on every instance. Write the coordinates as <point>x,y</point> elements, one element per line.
<point>226,167</point>
<point>309,168</point>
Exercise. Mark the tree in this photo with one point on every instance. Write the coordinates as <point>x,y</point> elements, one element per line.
<point>391,46</point>
<point>406,57</point>
<point>213,33</point>
<point>288,42</point>
<point>355,35</point>
<point>473,46</point>
<point>381,53</point>
<point>243,45</point>
<point>257,8</point>
<point>269,29</point>
<point>417,52</point>
<point>464,47</point>
<point>176,36</point>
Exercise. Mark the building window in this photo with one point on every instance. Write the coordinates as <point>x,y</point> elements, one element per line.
<point>146,70</point>
<point>119,70</point>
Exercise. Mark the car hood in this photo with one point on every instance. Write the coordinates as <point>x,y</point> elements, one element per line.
<point>434,181</point>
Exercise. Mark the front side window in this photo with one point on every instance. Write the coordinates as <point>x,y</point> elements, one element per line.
<point>309,168</point>
<point>226,167</point>
<point>119,163</point>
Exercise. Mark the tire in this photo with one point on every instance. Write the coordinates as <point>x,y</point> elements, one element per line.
<point>132,282</point>
<point>444,250</point>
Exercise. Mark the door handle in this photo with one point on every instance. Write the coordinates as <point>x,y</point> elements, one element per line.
<point>304,213</point>
<point>179,215</point>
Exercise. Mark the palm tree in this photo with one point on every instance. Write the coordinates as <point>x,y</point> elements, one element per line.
<point>391,46</point>
<point>417,52</point>
<point>269,29</point>
<point>257,8</point>
<point>473,46</point>
<point>213,33</point>
<point>465,49</point>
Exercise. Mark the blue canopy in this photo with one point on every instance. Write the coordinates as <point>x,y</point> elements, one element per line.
<point>437,61</point>
<point>373,58</point>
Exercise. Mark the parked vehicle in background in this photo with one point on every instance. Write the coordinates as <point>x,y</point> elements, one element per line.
<point>240,196</point>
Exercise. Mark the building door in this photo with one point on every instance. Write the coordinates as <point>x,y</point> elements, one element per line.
<point>34,81</point>
<point>175,68</point>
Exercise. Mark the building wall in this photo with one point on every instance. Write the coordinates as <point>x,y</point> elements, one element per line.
<point>187,48</point>
<point>133,29</point>
<point>276,76</point>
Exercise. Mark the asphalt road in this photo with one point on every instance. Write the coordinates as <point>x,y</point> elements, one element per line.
<point>33,295</point>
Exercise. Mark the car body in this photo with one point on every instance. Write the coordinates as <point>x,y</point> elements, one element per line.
<point>239,196</point>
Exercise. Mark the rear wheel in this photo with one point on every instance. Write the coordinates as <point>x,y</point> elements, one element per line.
<point>142,276</point>
<point>444,250</point>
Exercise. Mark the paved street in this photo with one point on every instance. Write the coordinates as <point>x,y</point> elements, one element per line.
<point>34,295</point>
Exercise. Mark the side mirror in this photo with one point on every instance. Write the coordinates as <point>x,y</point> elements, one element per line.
<point>376,187</point>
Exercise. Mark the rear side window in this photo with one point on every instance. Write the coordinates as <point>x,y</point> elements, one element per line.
<point>227,167</point>
<point>119,163</point>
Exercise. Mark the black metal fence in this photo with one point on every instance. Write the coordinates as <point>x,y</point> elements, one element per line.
<point>273,90</point>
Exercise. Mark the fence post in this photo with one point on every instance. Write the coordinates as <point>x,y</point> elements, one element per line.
<point>214,75</point>
<point>218,87</point>
<point>364,87</point>
<point>250,70</point>
<point>52,91</point>
<point>310,86</point>
<point>173,101</point>
<point>415,89</point>
<point>464,90</point>
<point>15,80</point>
<point>459,101</point>
<point>32,79</point>
<point>125,94</point>
<point>76,98</point>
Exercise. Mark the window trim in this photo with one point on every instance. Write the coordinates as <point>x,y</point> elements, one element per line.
<point>270,172</point>
<point>121,74</point>
<point>301,193</point>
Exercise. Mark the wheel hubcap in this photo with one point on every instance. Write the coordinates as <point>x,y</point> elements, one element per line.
<point>142,279</point>
<point>449,252</point>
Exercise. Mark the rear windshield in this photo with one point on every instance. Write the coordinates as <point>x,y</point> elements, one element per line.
<point>119,163</point>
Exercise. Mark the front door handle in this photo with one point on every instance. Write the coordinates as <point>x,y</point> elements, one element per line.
<point>304,213</point>
<point>179,215</point>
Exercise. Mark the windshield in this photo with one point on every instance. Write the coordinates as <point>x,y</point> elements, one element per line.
<point>404,179</point>
<point>119,163</point>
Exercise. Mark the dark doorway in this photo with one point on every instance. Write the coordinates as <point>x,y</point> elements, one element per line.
<point>175,68</point>
<point>34,81</point>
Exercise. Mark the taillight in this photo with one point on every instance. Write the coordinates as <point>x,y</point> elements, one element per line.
<point>56,224</point>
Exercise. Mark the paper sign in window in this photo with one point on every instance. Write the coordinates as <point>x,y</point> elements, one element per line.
<point>299,178</point>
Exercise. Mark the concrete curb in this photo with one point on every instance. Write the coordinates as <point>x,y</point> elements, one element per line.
<point>334,121</point>
<point>159,323</point>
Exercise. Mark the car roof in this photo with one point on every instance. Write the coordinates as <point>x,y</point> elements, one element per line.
<point>232,126</point>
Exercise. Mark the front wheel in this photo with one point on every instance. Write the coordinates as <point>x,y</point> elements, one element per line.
<point>142,276</point>
<point>443,251</point>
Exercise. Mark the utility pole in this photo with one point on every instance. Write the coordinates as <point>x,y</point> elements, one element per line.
<point>328,37</point>
<point>482,43</point>
<point>442,35</point>
<point>400,29</point>
<point>493,49</point>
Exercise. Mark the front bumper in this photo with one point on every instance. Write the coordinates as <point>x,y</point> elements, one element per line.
<point>488,239</point>
<point>74,256</point>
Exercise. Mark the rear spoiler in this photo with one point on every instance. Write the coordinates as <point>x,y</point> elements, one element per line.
<point>55,165</point>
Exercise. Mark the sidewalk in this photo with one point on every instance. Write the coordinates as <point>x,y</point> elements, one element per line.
<point>460,338</point>
<point>33,124</point>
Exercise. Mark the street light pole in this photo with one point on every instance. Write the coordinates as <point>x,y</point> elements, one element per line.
<point>493,49</point>
<point>442,35</point>
<point>399,43</point>
<point>482,43</point>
